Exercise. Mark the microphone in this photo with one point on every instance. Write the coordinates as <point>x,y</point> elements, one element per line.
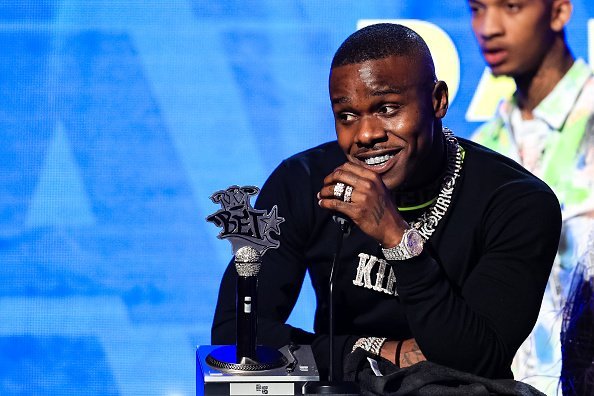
<point>247,264</point>
<point>344,223</point>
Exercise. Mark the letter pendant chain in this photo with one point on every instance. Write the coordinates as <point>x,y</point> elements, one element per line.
<point>428,221</point>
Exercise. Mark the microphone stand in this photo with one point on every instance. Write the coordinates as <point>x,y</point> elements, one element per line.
<point>333,386</point>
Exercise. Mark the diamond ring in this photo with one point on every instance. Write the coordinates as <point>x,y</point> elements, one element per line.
<point>339,190</point>
<point>348,192</point>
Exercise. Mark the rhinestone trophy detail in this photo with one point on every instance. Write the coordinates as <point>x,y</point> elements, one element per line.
<point>249,232</point>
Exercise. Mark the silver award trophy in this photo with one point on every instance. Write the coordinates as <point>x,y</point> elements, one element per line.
<point>249,231</point>
<point>248,368</point>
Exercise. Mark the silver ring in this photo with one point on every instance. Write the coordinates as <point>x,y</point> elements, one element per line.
<point>338,190</point>
<point>348,192</point>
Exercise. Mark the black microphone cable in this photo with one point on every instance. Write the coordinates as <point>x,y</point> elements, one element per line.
<point>345,225</point>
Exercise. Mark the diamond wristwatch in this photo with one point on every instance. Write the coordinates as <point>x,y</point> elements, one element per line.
<point>410,246</point>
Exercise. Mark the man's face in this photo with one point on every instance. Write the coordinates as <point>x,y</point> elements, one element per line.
<point>384,116</point>
<point>513,35</point>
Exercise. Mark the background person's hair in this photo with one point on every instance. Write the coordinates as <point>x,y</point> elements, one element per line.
<point>577,335</point>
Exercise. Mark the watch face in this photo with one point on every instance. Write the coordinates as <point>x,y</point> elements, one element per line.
<point>414,242</point>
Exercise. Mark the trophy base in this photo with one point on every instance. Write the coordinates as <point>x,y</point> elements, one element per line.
<point>225,359</point>
<point>284,380</point>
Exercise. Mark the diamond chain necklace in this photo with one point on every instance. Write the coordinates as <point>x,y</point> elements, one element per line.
<point>428,221</point>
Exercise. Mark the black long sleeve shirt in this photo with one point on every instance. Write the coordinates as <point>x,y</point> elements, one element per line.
<point>469,300</point>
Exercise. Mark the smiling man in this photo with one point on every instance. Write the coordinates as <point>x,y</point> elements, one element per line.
<point>452,243</point>
<point>548,127</point>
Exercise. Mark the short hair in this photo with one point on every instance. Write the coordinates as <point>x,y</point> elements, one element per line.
<point>381,41</point>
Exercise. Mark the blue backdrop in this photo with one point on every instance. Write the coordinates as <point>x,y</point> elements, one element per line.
<point>118,119</point>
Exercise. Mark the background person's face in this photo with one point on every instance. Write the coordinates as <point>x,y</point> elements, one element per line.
<point>513,35</point>
<point>384,116</point>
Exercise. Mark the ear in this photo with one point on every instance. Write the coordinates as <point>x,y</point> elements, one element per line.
<point>440,99</point>
<point>560,14</point>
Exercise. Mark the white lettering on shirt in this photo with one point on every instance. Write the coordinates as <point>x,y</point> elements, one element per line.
<point>382,284</point>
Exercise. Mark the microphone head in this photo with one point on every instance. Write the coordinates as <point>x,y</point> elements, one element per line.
<point>247,261</point>
<point>344,223</point>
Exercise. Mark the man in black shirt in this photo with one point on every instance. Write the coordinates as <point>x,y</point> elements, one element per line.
<point>452,244</point>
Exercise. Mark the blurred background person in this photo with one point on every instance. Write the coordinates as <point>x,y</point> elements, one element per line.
<point>545,126</point>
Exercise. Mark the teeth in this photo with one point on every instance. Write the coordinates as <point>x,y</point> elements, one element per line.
<point>378,160</point>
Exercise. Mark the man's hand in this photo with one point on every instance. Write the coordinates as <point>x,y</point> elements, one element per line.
<point>370,207</point>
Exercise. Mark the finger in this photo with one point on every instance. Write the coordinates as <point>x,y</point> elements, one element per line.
<point>346,192</point>
<point>337,205</point>
<point>332,191</point>
<point>353,175</point>
<point>360,172</point>
<point>335,183</point>
<point>340,175</point>
<point>327,192</point>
